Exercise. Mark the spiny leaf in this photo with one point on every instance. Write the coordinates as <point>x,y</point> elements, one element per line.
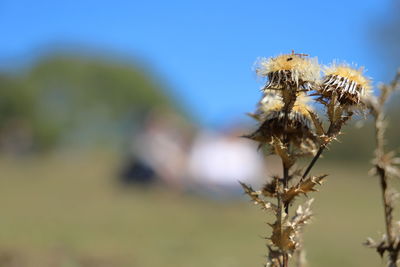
<point>370,243</point>
<point>282,151</point>
<point>282,236</point>
<point>254,116</point>
<point>338,114</point>
<point>303,187</point>
<point>380,247</point>
<point>257,199</point>
<point>274,257</point>
<point>303,215</point>
<point>387,163</point>
<point>270,189</point>
<point>317,123</point>
<point>331,108</point>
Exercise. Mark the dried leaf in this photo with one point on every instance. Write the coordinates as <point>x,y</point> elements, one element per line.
<point>338,114</point>
<point>282,151</point>
<point>271,189</point>
<point>283,236</point>
<point>380,247</point>
<point>370,243</point>
<point>331,108</point>
<point>317,123</point>
<point>254,116</point>
<point>303,187</point>
<point>257,136</point>
<point>256,197</point>
<point>303,215</point>
<point>274,257</point>
<point>286,235</point>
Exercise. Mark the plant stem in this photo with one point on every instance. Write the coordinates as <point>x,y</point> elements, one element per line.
<point>285,179</point>
<point>279,220</point>
<point>388,217</point>
<point>314,160</point>
<point>286,142</point>
<point>319,152</point>
<point>388,209</point>
<point>285,260</point>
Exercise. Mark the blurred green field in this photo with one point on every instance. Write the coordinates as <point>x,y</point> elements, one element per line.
<point>67,210</point>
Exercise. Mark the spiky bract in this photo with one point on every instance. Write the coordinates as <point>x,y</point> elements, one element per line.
<point>272,116</point>
<point>349,84</point>
<point>290,71</point>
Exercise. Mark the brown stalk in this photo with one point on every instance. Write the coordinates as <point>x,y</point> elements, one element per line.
<point>313,161</point>
<point>380,163</point>
<point>319,153</point>
<point>285,177</point>
<point>336,123</point>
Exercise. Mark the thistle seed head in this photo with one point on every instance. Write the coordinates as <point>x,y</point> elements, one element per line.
<point>290,71</point>
<point>349,84</point>
<point>271,116</point>
<point>271,101</point>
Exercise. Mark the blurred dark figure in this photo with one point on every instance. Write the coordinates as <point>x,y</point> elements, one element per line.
<point>137,172</point>
<point>159,151</point>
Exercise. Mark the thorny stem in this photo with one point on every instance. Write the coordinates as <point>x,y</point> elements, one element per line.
<point>286,207</point>
<point>378,114</point>
<point>387,210</point>
<point>288,107</point>
<point>285,179</point>
<point>279,220</point>
<point>379,139</point>
<point>393,253</point>
<point>286,142</point>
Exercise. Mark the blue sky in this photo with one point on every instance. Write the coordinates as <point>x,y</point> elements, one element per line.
<point>204,50</point>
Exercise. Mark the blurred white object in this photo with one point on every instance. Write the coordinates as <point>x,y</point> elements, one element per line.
<point>223,160</point>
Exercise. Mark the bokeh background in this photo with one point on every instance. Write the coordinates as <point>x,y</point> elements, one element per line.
<point>119,126</point>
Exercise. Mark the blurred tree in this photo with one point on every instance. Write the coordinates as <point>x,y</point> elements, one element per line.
<point>72,96</point>
<point>386,35</point>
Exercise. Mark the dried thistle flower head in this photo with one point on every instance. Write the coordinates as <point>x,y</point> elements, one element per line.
<point>290,71</point>
<point>271,101</point>
<point>271,116</point>
<point>349,84</point>
<point>302,106</point>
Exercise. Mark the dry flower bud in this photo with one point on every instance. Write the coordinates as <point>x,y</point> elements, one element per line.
<point>271,115</point>
<point>348,83</point>
<point>290,71</point>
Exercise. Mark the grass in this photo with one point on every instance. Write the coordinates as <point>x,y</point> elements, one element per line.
<point>67,210</point>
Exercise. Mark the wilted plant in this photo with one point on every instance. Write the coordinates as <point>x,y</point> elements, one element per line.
<point>290,128</point>
<point>385,168</point>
